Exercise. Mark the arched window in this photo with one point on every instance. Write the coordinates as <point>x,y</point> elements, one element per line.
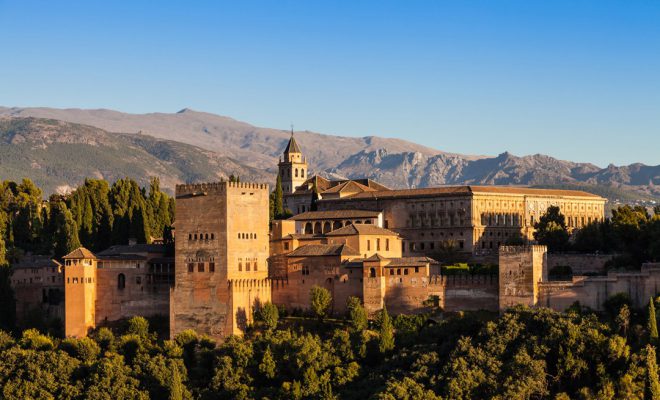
<point>317,227</point>
<point>296,172</point>
<point>336,225</point>
<point>302,173</point>
<point>372,272</point>
<point>206,236</point>
<point>195,236</point>
<point>212,236</point>
<point>121,281</point>
<point>308,228</point>
<point>326,227</point>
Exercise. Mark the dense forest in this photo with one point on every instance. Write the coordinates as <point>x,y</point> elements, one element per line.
<point>521,354</point>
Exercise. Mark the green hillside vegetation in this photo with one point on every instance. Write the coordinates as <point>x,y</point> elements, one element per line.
<point>521,354</point>
<point>56,154</point>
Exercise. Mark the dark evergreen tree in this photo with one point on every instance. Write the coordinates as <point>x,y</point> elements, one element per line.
<point>551,230</point>
<point>279,205</point>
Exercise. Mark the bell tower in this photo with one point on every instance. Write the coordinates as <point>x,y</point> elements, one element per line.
<point>292,167</point>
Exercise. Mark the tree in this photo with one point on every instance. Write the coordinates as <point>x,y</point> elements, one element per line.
<point>386,340</point>
<point>278,206</point>
<point>138,326</point>
<point>551,230</point>
<point>320,300</point>
<point>652,324</point>
<point>652,373</point>
<point>269,315</point>
<point>267,367</point>
<point>623,320</point>
<point>357,314</point>
<point>66,231</point>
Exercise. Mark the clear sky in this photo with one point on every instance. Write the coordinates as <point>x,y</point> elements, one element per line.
<point>577,80</point>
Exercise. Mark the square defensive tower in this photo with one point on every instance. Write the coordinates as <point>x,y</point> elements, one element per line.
<point>221,246</point>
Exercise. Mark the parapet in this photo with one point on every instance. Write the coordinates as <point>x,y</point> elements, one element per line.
<point>531,248</point>
<point>206,188</point>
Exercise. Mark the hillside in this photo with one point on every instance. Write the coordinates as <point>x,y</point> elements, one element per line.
<point>58,155</point>
<point>236,145</point>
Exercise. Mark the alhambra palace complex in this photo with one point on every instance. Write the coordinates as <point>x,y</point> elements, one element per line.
<point>353,237</point>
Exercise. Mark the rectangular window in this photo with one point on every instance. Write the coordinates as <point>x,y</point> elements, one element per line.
<point>255,265</point>
<point>416,269</point>
<point>247,266</point>
<point>405,271</point>
<point>191,267</point>
<point>212,267</point>
<point>286,245</point>
<point>387,244</point>
<point>200,267</point>
<point>378,244</point>
<point>368,245</point>
<point>391,272</point>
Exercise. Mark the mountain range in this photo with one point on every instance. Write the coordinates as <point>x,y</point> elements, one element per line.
<point>62,146</point>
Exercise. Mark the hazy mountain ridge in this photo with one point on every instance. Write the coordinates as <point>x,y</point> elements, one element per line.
<point>59,155</point>
<point>394,162</point>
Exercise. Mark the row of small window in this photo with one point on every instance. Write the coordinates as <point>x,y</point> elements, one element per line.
<point>243,235</point>
<point>416,222</point>
<point>201,267</point>
<point>498,219</point>
<point>372,271</point>
<point>287,173</point>
<point>81,280</point>
<point>201,236</point>
<point>440,205</point>
<point>421,246</point>
<point>254,266</point>
<point>387,245</point>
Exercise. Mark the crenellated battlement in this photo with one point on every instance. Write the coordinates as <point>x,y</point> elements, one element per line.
<point>532,248</point>
<point>464,280</point>
<point>249,283</point>
<point>205,188</point>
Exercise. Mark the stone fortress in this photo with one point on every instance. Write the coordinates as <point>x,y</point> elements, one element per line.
<point>353,237</point>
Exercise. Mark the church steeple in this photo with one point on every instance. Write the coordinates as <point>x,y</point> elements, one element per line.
<point>293,167</point>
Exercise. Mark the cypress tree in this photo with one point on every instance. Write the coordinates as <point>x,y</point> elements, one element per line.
<point>66,236</point>
<point>386,342</point>
<point>652,374</point>
<point>652,323</point>
<point>176,388</point>
<point>279,206</point>
<point>267,366</point>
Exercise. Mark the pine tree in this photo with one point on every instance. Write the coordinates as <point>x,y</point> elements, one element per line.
<point>357,314</point>
<point>386,341</point>
<point>279,205</point>
<point>652,323</point>
<point>267,366</point>
<point>652,373</point>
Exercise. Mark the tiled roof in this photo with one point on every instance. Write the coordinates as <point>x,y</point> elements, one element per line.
<point>310,250</point>
<point>466,190</point>
<point>411,261</point>
<point>35,261</point>
<point>349,187</point>
<point>80,253</point>
<point>132,249</point>
<point>161,260</point>
<point>376,257</point>
<point>323,184</point>
<point>292,146</point>
<point>335,214</point>
<point>361,229</point>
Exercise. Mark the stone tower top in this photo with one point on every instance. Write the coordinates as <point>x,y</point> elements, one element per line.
<point>293,167</point>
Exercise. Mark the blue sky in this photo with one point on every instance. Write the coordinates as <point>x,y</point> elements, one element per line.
<point>578,80</point>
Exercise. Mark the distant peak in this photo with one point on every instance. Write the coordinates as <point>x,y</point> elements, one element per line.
<point>185,110</point>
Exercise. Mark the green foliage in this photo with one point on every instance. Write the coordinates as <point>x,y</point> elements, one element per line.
<point>357,315</point>
<point>268,314</point>
<point>652,324</point>
<point>386,331</point>
<point>551,230</point>
<point>138,326</point>
<point>652,374</point>
<point>320,300</point>
<point>522,354</point>
<point>465,268</point>
<point>278,204</point>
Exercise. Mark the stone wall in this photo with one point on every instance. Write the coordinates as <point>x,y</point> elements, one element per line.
<point>580,263</point>
<point>136,298</point>
<point>470,292</point>
<point>521,268</point>
<point>593,291</point>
